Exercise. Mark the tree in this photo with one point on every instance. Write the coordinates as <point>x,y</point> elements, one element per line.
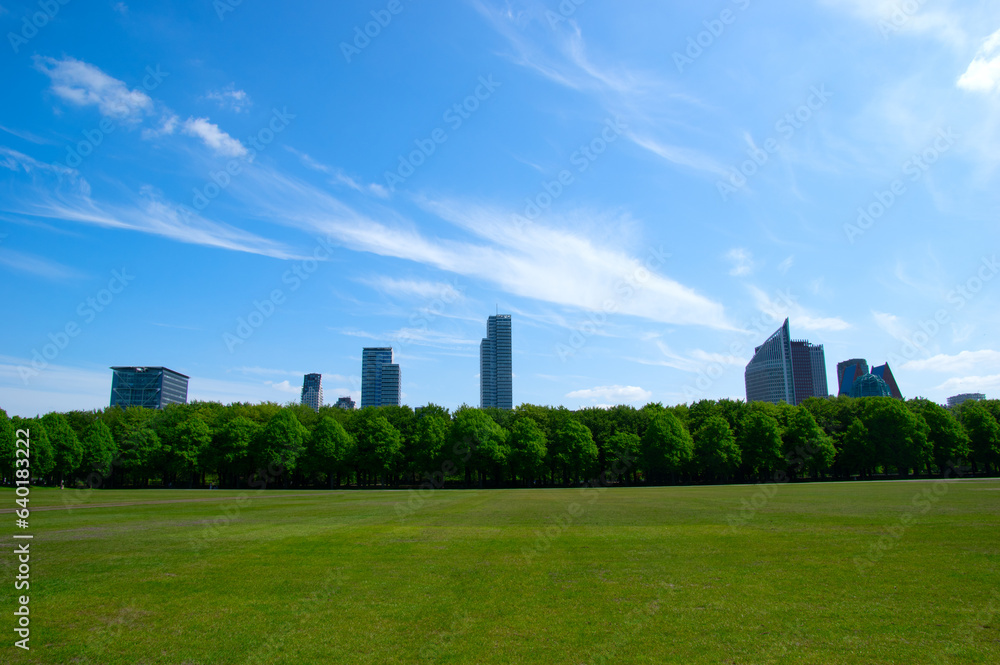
<point>481,441</point>
<point>278,446</point>
<point>806,446</point>
<point>667,447</point>
<point>949,440</point>
<point>984,436</point>
<point>857,454</point>
<point>527,450</point>
<point>429,450</point>
<point>716,454</point>
<point>139,453</point>
<point>897,436</point>
<point>191,438</point>
<point>573,451</point>
<point>232,448</point>
<point>622,457</point>
<point>65,444</point>
<point>378,444</point>
<point>98,451</point>
<point>328,450</point>
<point>8,443</point>
<point>760,443</point>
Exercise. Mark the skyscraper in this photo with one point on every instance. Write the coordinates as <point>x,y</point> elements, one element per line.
<point>312,391</point>
<point>883,372</point>
<point>783,370</point>
<point>381,381</point>
<point>848,372</point>
<point>148,387</point>
<point>496,372</point>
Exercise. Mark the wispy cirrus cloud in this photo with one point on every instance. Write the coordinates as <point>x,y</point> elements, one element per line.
<point>960,363</point>
<point>607,395</point>
<point>36,265</point>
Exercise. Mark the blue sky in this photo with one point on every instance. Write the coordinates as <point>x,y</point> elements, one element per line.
<point>246,193</point>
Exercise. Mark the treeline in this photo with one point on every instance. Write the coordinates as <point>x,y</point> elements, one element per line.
<point>269,445</point>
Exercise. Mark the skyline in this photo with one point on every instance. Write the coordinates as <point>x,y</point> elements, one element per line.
<point>612,176</point>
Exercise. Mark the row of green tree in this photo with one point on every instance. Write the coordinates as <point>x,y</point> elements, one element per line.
<point>204,443</point>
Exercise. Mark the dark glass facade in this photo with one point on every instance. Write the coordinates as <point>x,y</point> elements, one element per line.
<point>496,371</point>
<point>312,391</point>
<point>381,380</point>
<point>147,387</point>
<point>788,371</point>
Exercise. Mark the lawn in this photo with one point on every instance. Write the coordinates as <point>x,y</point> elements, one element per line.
<point>886,572</point>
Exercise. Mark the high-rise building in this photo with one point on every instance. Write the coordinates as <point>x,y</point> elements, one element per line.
<point>965,397</point>
<point>883,372</point>
<point>148,387</point>
<point>852,377</point>
<point>312,391</point>
<point>346,403</point>
<point>381,381</point>
<point>496,371</point>
<point>783,370</point>
<point>848,372</point>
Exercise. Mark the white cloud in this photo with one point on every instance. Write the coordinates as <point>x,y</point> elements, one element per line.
<point>742,260</point>
<point>168,125</point>
<point>55,388</point>
<point>216,139</point>
<point>983,74</point>
<point>786,265</point>
<point>971,384</point>
<point>966,361</point>
<point>800,317</point>
<point>231,98</point>
<point>82,84</point>
<point>612,395</point>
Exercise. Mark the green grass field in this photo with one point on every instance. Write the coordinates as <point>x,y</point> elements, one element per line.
<point>657,575</point>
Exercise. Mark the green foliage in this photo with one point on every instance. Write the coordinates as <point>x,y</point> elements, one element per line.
<point>984,436</point>
<point>715,449</point>
<point>278,446</point>
<point>329,449</point>
<point>479,439</point>
<point>667,447</point>
<point>99,449</point>
<point>806,445</point>
<point>67,447</point>
<point>572,451</point>
<point>378,444</point>
<point>528,449</point>
<point>895,434</point>
<point>948,439</point>
<point>760,442</point>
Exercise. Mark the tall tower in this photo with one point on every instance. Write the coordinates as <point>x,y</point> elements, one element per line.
<point>496,385</point>
<point>769,376</point>
<point>312,391</point>
<point>148,387</point>
<point>381,381</point>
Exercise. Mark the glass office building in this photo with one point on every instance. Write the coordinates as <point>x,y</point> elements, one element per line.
<point>496,371</point>
<point>381,380</point>
<point>783,370</point>
<point>312,391</point>
<point>854,382</point>
<point>148,387</point>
